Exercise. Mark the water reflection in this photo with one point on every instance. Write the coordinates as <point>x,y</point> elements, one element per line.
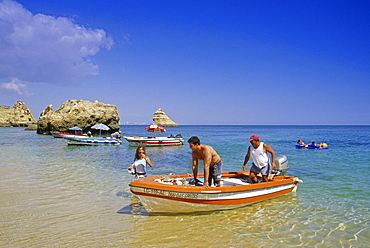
<point>135,208</point>
<point>206,229</point>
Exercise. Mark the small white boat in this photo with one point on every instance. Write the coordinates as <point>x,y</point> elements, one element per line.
<point>92,141</point>
<point>155,141</point>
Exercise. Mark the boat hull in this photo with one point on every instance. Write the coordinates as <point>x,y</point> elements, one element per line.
<point>233,193</point>
<point>154,141</point>
<point>64,135</point>
<point>92,141</point>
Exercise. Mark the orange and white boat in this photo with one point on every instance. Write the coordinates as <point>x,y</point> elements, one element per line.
<point>174,194</point>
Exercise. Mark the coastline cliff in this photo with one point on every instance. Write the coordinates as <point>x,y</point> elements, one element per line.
<point>18,116</point>
<point>83,114</point>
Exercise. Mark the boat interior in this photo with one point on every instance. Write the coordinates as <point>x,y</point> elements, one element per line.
<point>225,182</point>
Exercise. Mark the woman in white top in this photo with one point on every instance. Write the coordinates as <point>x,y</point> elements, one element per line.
<point>138,167</point>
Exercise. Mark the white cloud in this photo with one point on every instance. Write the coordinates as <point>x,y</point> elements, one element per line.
<point>16,85</point>
<point>42,48</point>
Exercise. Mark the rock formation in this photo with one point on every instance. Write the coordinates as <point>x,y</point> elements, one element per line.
<point>18,116</point>
<point>83,114</point>
<point>160,118</point>
<point>4,116</point>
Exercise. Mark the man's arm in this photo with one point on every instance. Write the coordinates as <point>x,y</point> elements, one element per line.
<point>246,159</point>
<point>194,166</point>
<point>207,155</point>
<point>272,152</point>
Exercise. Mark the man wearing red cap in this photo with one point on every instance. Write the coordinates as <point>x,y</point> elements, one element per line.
<point>258,151</point>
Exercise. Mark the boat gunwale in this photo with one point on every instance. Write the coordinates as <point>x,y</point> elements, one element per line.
<point>162,142</point>
<point>92,141</point>
<point>134,138</point>
<point>154,141</point>
<point>57,134</point>
<point>150,183</point>
<point>92,138</point>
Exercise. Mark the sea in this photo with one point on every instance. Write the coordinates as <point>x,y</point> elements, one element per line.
<point>57,195</point>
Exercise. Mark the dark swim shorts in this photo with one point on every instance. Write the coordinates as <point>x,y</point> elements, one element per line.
<point>215,172</point>
<point>264,171</point>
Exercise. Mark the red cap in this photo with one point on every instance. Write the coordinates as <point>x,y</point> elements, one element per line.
<point>254,137</point>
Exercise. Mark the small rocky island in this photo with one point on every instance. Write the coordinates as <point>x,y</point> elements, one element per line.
<point>160,118</point>
<point>83,114</point>
<point>18,116</point>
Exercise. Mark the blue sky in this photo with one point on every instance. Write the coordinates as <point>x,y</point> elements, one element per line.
<point>202,62</point>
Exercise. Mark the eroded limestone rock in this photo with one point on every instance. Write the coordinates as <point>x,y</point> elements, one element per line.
<point>83,114</point>
<point>18,116</point>
<point>160,118</point>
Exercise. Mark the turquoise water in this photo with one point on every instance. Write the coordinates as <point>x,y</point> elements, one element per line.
<point>54,195</point>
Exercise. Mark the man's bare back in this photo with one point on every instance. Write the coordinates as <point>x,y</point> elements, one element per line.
<point>206,152</point>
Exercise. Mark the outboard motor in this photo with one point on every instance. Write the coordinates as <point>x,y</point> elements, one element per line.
<point>281,165</point>
<point>175,136</point>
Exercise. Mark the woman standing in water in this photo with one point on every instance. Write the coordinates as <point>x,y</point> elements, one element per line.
<point>138,167</point>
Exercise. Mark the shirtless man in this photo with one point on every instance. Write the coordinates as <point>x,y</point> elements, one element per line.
<point>212,162</point>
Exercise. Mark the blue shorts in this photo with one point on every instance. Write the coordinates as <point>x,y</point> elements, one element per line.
<point>264,171</point>
<point>215,172</point>
<point>140,176</point>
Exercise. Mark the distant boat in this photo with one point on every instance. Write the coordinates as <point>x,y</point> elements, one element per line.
<point>77,133</point>
<point>92,141</point>
<point>172,140</point>
<point>56,134</point>
<point>155,141</point>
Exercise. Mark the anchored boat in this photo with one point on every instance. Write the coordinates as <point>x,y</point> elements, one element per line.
<point>155,141</point>
<point>92,141</point>
<point>77,132</point>
<point>56,134</point>
<point>172,140</point>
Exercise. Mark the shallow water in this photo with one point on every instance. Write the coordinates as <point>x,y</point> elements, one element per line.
<point>54,195</point>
